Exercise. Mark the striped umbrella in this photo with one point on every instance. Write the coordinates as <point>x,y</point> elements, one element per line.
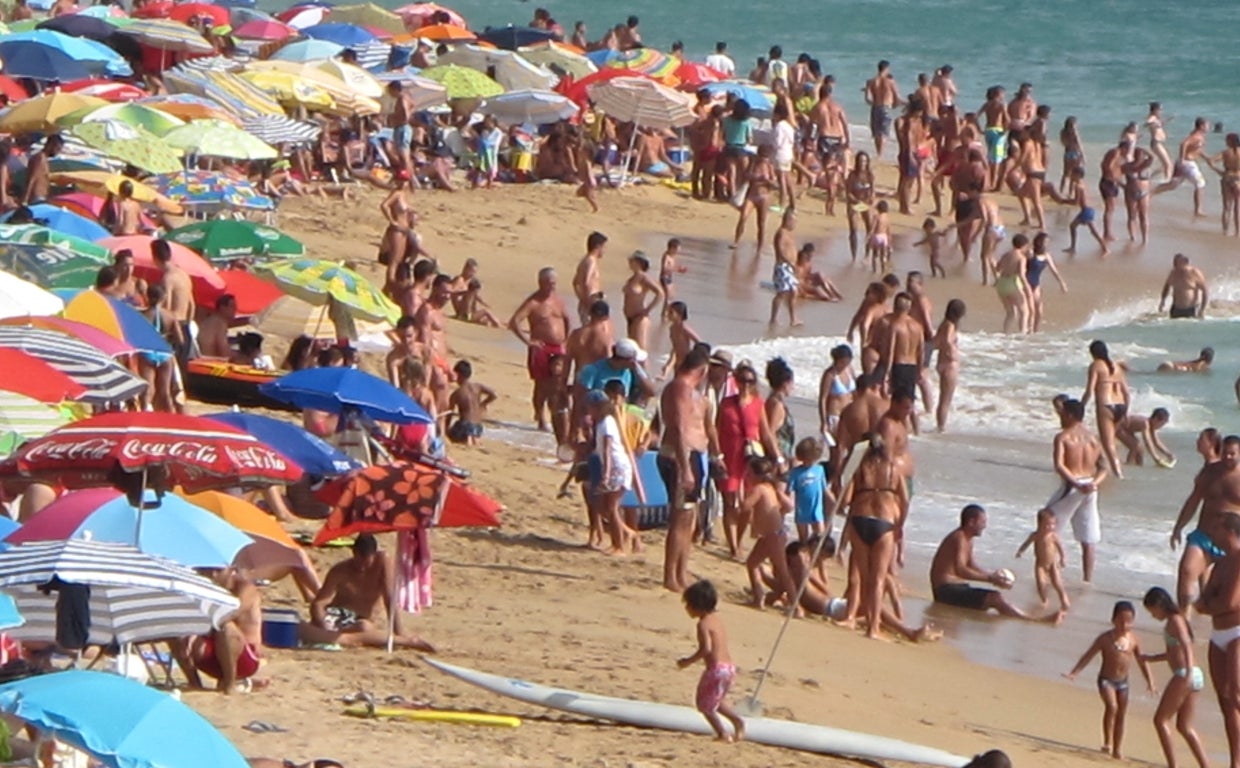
<point>648,62</point>
<point>39,380</point>
<point>23,418</point>
<point>105,380</point>
<point>89,334</point>
<point>644,102</point>
<point>117,319</point>
<point>187,106</point>
<point>315,282</point>
<point>554,55</point>
<point>209,64</point>
<point>134,597</point>
<point>427,94</point>
<point>307,50</point>
<point>19,298</point>
<point>278,129</point>
<point>167,35</point>
<point>373,56</point>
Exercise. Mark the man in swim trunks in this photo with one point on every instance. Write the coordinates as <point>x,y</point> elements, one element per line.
<point>1186,168</point>
<point>1220,600</point>
<point>953,568</point>
<point>687,441</point>
<point>230,654</point>
<point>401,122</point>
<point>830,126</point>
<point>905,354</point>
<point>883,96</point>
<point>995,114</point>
<point>178,298</point>
<point>1216,491</point>
<point>1111,182</point>
<point>546,319</point>
<point>1081,469</point>
<point>587,280</point>
<point>343,611</point>
<point>1187,287</point>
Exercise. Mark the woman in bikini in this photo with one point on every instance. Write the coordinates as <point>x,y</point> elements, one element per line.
<point>157,367</point>
<point>948,366</point>
<point>1179,699</point>
<point>876,500</point>
<point>641,295</point>
<point>1230,181</point>
<point>1158,139</point>
<point>1137,192</point>
<point>1012,287</point>
<point>395,209</point>
<point>1034,166</point>
<point>859,196</point>
<point>1108,386</point>
<point>1073,151</point>
<point>835,391</point>
<point>762,179</point>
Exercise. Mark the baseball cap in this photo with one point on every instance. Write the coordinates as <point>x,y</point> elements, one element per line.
<point>628,349</point>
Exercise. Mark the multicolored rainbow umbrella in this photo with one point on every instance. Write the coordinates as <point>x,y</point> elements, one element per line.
<point>116,319</point>
<point>648,62</point>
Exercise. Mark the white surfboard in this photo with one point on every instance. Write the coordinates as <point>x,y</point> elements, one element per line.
<point>645,714</point>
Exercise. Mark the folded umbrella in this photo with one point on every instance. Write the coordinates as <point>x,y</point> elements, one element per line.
<point>337,389</point>
<point>312,454</point>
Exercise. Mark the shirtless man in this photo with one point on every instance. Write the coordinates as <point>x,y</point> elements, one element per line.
<point>883,96</point>
<point>128,211</point>
<point>830,126</point>
<point>546,319</point>
<point>38,181</point>
<point>785,275</point>
<point>946,87</point>
<point>1111,182</point>
<point>967,181</point>
<point>858,419</point>
<point>1186,285</point>
<point>432,325</point>
<point>997,121</point>
<point>680,335</point>
<point>587,281</point>
<point>231,653</point>
<point>642,294</point>
<point>682,461</point>
<point>923,311</point>
<point>1192,149</point>
<point>905,355</point>
<point>1220,600</point>
<point>953,568</point>
<point>406,347</point>
<point>1216,492</point>
<point>1022,108</point>
<point>343,612</point>
<point>873,307</point>
<point>401,122</point>
<point>128,287</point>
<point>178,297</point>
<point>213,330</point>
<point>585,346</point>
<point>1079,463</point>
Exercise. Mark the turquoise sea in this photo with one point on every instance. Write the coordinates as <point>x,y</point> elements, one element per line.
<point>1102,61</point>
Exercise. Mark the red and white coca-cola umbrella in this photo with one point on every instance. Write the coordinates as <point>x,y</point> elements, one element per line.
<point>160,450</point>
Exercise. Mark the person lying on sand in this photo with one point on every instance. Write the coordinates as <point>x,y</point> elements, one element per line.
<point>1199,364</point>
<point>343,611</point>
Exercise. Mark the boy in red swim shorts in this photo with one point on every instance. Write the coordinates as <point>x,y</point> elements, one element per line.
<point>701,600</point>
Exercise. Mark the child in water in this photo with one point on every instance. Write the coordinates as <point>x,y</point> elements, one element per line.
<point>701,600</point>
<point>1119,649</point>
<point>933,239</point>
<point>1180,697</point>
<point>1048,558</point>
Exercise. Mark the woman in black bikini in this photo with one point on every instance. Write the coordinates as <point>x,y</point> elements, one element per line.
<point>876,500</point>
<point>1108,385</point>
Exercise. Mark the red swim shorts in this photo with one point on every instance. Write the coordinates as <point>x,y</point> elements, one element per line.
<point>209,664</point>
<point>538,360</point>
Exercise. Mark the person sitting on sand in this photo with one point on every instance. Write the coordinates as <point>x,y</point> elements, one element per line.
<point>213,329</point>
<point>469,401</point>
<point>467,301</point>
<point>810,282</point>
<point>343,611</point>
<point>953,568</point>
<point>230,654</point>
<point>1199,364</point>
<point>1146,428</point>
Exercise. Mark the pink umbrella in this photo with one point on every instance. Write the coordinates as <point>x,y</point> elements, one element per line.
<point>416,15</point>
<point>207,282</point>
<point>105,89</point>
<point>263,29</point>
<point>90,206</point>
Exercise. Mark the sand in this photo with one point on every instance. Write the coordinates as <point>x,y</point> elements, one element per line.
<point>527,600</point>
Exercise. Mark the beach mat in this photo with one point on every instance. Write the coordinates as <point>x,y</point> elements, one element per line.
<point>654,512</point>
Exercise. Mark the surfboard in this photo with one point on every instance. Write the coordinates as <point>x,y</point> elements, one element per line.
<point>805,737</point>
<point>435,716</point>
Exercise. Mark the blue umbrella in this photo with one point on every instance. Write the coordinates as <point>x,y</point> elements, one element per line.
<point>122,723</point>
<point>10,617</point>
<point>38,62</point>
<point>7,526</point>
<point>347,35</point>
<point>602,56</point>
<point>337,389</point>
<point>89,53</point>
<point>63,220</point>
<point>308,50</point>
<point>512,38</point>
<point>314,455</point>
<point>175,529</point>
<point>759,102</point>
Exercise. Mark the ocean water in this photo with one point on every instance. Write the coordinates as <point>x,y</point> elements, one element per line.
<point>1102,61</point>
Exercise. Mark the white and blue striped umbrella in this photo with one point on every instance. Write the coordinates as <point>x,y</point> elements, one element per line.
<point>106,381</point>
<point>277,129</point>
<point>134,597</point>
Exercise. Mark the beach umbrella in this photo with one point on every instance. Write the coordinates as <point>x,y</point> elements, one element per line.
<point>425,93</point>
<point>304,15</point>
<point>41,113</point>
<point>278,129</point>
<point>154,121</point>
<point>134,597</point>
<point>463,83</point>
<point>48,265</point>
<point>61,220</point>
<point>312,454</point>
<point>101,183</point>
<point>226,239</point>
<point>193,452</point>
<point>307,50</point>
<point>216,138</point>
<point>19,298</point>
<point>12,89</point>
<point>694,75</point>
<point>760,100</point>
<point>354,77</point>
<point>84,205</point>
<point>105,380</point>
<point>602,56</point>
<point>253,294</point>
<point>554,55</point>
<point>10,617</point>
<point>79,25</point>
<point>207,188</point>
<point>263,29</point>
<point>290,89</point>
<point>242,515</point>
<point>188,13</point>
<point>644,102</point>
<point>118,320</point>
<point>238,15</point>
<point>347,35</point>
<point>120,722</point>
<point>579,90</point>
<point>526,106</point>
<point>440,33</point>
<point>202,274</point>
<point>170,527</point>
<point>104,89</point>
<point>46,55</point>
<point>39,380</point>
<point>648,62</point>
<point>511,38</point>
<point>158,9</point>
<point>346,86</point>
<point>509,69</point>
<point>24,418</point>
<point>132,145</point>
<point>337,389</point>
<point>92,336</point>
<point>167,35</point>
<point>370,16</point>
<point>315,282</point>
<point>417,15</point>
<point>188,107</point>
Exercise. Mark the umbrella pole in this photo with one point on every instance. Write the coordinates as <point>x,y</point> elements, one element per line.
<point>137,532</point>
<point>319,324</point>
<point>628,155</point>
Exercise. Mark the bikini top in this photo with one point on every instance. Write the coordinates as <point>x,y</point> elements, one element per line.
<point>839,388</point>
<point>1172,640</point>
<point>891,490</point>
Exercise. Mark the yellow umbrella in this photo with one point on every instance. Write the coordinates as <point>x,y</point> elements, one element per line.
<point>368,15</point>
<point>354,77</point>
<point>347,99</point>
<point>291,89</point>
<point>101,183</point>
<point>41,113</point>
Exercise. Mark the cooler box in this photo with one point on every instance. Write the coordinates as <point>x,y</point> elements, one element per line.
<point>680,155</point>
<point>280,627</point>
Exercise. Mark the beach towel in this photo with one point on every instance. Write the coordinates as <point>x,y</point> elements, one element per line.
<point>413,570</point>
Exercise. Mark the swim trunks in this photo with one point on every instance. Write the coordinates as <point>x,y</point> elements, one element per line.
<point>1068,503</point>
<point>657,167</point>
<point>713,687</point>
<point>1007,286</point>
<point>963,596</point>
<point>670,474</point>
<point>904,377</point>
<point>966,209</point>
<point>785,278</point>
<point>1188,169</point>
<point>1201,540</point>
<point>996,145</point>
<point>1119,685</point>
<point>1108,188</point>
<point>1183,313</point>
<point>337,619</point>
<point>538,360</point>
<point>209,664</point>
<point>1086,216</point>
<point>462,431</point>
<point>880,120</point>
<point>829,145</point>
<point>402,136</point>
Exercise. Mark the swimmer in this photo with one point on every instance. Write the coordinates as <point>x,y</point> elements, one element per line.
<point>1200,364</point>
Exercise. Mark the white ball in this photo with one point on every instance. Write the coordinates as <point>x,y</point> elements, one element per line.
<point>1006,578</point>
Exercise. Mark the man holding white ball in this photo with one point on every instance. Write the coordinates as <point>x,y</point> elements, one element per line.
<point>954,567</point>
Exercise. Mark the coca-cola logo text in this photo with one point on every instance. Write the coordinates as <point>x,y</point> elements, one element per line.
<point>256,457</point>
<point>190,451</point>
<point>90,449</point>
